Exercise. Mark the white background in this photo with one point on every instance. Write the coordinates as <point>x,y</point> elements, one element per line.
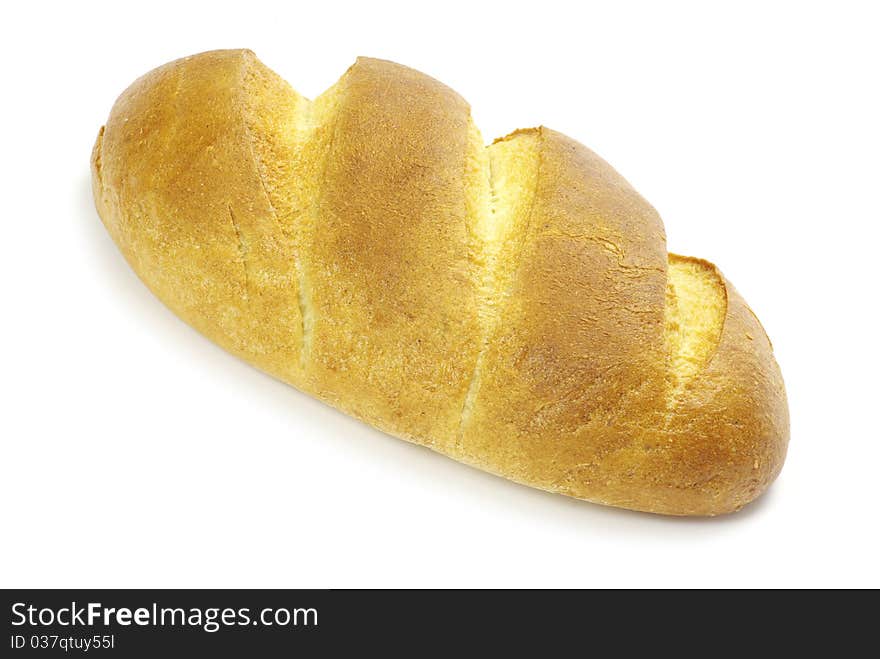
<point>136,453</point>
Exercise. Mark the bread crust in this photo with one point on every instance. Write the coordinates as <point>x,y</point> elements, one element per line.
<point>505,307</point>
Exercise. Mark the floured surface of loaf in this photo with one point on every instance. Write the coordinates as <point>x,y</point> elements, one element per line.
<point>512,306</point>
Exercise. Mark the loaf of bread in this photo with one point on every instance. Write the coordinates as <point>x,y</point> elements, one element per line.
<point>510,306</point>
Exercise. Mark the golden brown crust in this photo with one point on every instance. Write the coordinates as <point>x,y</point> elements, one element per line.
<point>505,306</point>
<point>723,440</point>
<point>395,334</point>
<point>578,354</point>
<point>180,193</point>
